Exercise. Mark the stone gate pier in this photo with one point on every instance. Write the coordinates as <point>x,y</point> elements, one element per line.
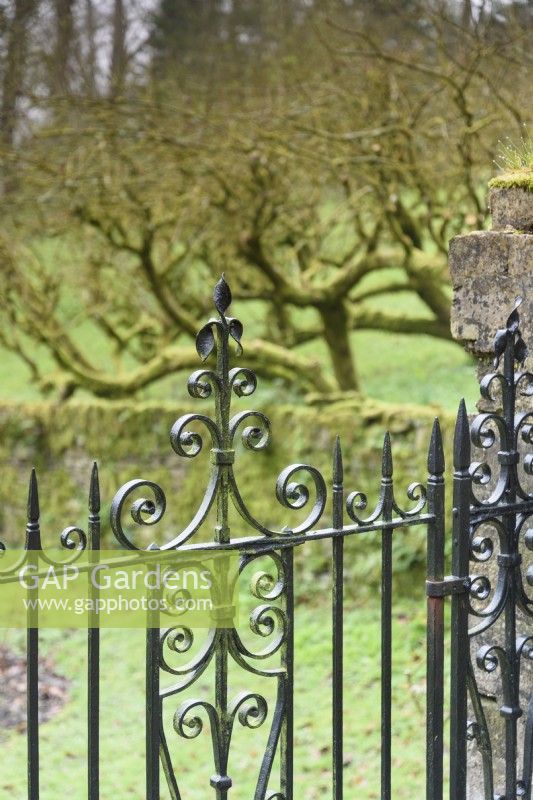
<point>489,271</point>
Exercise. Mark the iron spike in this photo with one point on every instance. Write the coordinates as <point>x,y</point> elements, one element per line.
<point>94,490</point>
<point>338,468</point>
<point>436,451</point>
<point>386,462</point>
<point>461,441</point>
<point>33,498</point>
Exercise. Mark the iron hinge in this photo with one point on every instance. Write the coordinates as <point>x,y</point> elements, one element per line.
<point>449,585</point>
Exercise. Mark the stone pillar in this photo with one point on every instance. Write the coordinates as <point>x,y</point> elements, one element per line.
<point>489,270</point>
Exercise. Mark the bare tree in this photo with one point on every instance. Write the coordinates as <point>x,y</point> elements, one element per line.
<point>13,78</point>
<point>64,35</point>
<point>326,187</point>
<point>119,51</point>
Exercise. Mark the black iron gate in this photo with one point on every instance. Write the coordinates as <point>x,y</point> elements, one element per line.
<point>490,523</point>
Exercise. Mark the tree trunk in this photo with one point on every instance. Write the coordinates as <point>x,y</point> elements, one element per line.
<point>12,84</point>
<point>119,55</point>
<point>337,335</point>
<point>90,31</point>
<point>466,14</point>
<point>63,47</point>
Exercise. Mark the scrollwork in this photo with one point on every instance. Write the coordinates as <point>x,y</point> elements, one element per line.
<point>527,378</point>
<point>73,538</point>
<point>188,444</point>
<point>488,601</point>
<point>486,387</point>
<point>144,511</point>
<point>490,656</point>
<point>295,495</point>
<point>416,492</point>
<point>243,381</point>
<point>263,584</point>
<point>290,494</point>
<point>189,727</point>
<point>250,708</point>
<point>254,437</point>
<point>179,641</point>
<point>358,501</point>
<point>502,539</point>
<point>202,383</point>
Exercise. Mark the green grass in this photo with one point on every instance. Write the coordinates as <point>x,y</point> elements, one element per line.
<point>516,163</point>
<point>410,369</point>
<point>63,739</point>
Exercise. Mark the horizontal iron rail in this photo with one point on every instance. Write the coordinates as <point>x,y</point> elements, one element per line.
<point>268,543</point>
<point>246,545</point>
<point>483,512</point>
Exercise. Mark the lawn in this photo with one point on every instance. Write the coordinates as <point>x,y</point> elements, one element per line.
<point>410,369</point>
<point>63,739</point>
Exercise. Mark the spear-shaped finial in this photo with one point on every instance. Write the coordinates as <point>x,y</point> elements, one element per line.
<point>94,490</point>
<point>33,498</point>
<point>436,450</point>
<point>33,535</point>
<point>386,460</point>
<point>338,468</point>
<point>461,441</point>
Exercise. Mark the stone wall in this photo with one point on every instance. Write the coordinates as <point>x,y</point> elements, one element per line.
<point>489,271</point>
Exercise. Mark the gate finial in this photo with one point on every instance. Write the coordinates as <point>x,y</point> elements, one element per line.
<point>436,462</point>
<point>33,498</point>
<point>386,461</point>
<point>338,469</point>
<point>461,441</point>
<point>33,533</point>
<point>94,490</point>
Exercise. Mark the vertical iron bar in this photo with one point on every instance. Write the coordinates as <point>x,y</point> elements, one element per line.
<point>287,663</point>
<point>338,619</point>
<point>153,702</point>
<point>221,781</point>
<point>386,620</point>
<point>435,620</point>
<point>93,648</point>
<point>459,613</point>
<point>33,544</point>
<point>511,710</point>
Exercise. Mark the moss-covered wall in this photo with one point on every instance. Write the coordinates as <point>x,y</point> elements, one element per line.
<point>131,440</point>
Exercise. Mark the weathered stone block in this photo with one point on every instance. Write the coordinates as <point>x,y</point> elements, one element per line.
<point>511,208</point>
<point>489,270</point>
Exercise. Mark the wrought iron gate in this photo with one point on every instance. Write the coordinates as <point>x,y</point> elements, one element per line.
<point>487,525</point>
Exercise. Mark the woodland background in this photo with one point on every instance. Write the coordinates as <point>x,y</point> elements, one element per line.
<point>320,153</point>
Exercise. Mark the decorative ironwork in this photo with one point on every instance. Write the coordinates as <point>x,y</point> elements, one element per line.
<point>272,619</point>
<point>496,533</point>
<point>492,509</point>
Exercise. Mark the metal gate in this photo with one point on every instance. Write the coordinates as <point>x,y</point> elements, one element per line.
<point>490,516</point>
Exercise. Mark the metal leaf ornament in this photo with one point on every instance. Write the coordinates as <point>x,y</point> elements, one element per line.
<point>205,341</point>
<point>520,350</point>
<point>513,319</point>
<point>500,343</point>
<point>222,296</point>
<point>512,333</point>
<point>236,331</point>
